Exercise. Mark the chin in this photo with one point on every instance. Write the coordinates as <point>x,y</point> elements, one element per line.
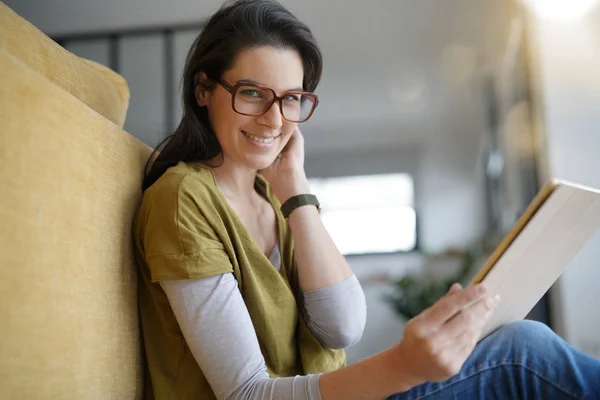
<point>260,162</point>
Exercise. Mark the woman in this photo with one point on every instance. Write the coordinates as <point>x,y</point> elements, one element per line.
<point>243,294</point>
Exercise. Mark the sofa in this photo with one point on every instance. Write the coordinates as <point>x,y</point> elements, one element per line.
<point>70,180</point>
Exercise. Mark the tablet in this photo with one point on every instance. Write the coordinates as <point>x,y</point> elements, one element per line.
<point>558,223</point>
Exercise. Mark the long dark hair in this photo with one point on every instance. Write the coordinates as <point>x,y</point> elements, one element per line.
<point>235,27</point>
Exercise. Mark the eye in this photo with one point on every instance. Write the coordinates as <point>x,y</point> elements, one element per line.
<point>251,92</point>
<point>292,97</point>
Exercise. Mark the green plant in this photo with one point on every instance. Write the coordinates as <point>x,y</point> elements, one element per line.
<point>414,293</point>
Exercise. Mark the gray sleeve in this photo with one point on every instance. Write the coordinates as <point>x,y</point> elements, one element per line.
<point>216,325</point>
<point>336,314</point>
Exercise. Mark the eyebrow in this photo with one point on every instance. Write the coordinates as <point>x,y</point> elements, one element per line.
<point>252,81</point>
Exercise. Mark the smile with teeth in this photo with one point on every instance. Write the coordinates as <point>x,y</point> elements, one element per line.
<point>259,139</point>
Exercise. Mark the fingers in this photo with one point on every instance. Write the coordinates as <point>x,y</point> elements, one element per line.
<point>472,315</point>
<point>453,359</point>
<point>435,316</point>
<point>454,356</point>
<point>464,352</point>
<point>444,335</point>
<point>455,288</point>
<point>472,318</point>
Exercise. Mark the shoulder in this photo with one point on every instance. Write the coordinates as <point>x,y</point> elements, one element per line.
<point>177,233</point>
<point>182,202</point>
<point>183,186</point>
<point>182,178</point>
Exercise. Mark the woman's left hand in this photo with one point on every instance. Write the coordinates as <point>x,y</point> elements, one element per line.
<point>286,174</point>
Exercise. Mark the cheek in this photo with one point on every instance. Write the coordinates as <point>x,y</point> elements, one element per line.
<point>224,120</point>
<point>287,132</point>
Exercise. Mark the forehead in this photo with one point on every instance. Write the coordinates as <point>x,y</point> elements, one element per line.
<point>280,69</point>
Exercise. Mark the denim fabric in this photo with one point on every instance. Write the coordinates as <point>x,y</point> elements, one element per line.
<point>521,360</point>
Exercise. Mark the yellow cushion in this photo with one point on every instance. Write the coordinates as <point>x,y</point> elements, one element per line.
<point>70,182</point>
<point>100,88</point>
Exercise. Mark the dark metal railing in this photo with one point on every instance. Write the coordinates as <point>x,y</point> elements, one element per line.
<point>114,38</point>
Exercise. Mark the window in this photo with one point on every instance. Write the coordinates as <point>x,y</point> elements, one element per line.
<point>368,214</point>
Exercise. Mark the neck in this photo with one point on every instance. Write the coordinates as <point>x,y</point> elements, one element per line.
<point>234,181</point>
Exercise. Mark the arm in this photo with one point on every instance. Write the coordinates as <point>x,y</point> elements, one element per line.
<point>336,314</point>
<point>216,325</point>
<point>320,263</point>
<point>217,328</point>
<point>435,345</point>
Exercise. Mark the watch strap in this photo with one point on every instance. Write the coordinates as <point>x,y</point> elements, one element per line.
<point>298,201</point>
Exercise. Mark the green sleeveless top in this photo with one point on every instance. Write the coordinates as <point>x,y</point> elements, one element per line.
<point>185,229</point>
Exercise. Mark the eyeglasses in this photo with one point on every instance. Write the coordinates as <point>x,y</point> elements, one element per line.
<point>253,99</point>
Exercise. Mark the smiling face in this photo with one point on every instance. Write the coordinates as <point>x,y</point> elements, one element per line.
<point>254,141</point>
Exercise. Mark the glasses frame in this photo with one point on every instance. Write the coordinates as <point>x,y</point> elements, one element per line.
<point>232,89</point>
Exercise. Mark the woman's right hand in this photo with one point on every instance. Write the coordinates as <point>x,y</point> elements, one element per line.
<point>437,342</point>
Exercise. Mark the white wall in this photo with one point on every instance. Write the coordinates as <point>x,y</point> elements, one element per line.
<point>450,205</point>
<point>567,61</point>
<point>450,190</point>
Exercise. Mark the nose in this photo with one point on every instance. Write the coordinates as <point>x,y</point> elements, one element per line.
<point>272,118</point>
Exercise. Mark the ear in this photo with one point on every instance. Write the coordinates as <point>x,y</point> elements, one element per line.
<point>201,91</point>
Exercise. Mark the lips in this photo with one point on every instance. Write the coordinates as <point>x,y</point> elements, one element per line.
<point>258,139</point>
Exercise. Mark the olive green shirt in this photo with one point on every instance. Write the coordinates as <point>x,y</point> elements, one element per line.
<point>185,229</point>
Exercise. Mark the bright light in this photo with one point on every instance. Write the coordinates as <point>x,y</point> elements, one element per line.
<point>368,213</point>
<point>561,10</point>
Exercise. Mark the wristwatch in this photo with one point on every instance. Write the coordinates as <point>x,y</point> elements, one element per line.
<point>298,201</point>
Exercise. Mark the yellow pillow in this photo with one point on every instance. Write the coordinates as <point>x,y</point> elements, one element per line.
<point>70,181</point>
<point>100,88</point>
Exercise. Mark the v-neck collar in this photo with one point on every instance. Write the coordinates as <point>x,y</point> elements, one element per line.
<point>268,193</point>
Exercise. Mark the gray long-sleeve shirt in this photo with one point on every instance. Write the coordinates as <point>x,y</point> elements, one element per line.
<point>233,363</point>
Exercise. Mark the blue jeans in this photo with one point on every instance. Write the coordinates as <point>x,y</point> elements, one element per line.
<point>521,360</point>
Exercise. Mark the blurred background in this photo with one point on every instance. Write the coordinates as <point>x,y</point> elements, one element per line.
<point>439,121</point>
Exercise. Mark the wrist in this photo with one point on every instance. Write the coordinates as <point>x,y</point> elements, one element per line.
<point>299,201</point>
<point>295,185</point>
<point>401,368</point>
